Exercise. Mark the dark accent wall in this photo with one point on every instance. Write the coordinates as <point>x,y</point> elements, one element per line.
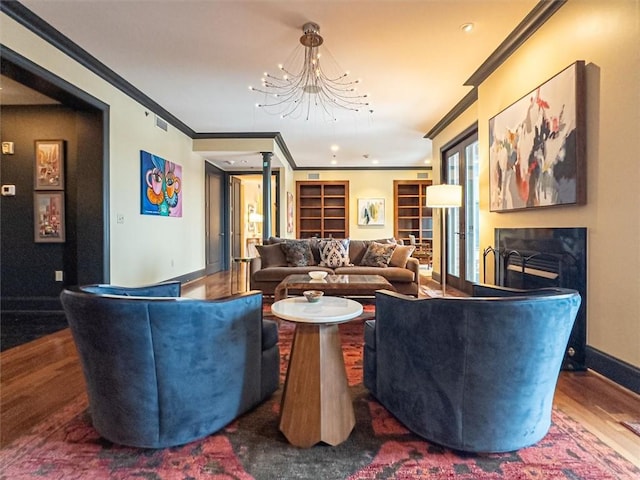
<point>28,268</point>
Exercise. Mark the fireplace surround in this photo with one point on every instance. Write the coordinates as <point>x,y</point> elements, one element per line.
<point>530,258</point>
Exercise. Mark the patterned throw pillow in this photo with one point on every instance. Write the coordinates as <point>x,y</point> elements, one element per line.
<point>334,253</point>
<point>298,253</point>
<point>378,254</point>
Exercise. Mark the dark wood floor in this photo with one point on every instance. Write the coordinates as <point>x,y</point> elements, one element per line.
<point>40,377</point>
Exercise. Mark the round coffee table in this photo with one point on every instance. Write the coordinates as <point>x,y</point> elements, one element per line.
<point>316,403</point>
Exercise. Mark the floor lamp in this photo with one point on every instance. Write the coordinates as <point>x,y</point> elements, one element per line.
<point>444,196</point>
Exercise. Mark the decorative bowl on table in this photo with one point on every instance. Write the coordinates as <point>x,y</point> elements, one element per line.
<point>313,296</point>
<point>318,274</point>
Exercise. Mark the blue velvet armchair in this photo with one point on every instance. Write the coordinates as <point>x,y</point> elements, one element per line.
<point>474,374</point>
<point>162,370</point>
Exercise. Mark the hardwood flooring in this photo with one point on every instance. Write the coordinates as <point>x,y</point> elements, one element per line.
<point>40,377</point>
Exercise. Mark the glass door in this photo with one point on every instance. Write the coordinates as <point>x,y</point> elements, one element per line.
<point>461,165</point>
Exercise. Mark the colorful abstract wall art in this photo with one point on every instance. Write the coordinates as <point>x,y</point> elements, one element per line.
<point>537,146</point>
<point>161,186</point>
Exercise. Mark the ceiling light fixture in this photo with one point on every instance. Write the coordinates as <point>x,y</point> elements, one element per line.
<point>295,92</point>
<point>466,27</point>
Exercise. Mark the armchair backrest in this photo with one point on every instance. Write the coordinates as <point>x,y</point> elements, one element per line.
<point>476,373</point>
<point>163,371</point>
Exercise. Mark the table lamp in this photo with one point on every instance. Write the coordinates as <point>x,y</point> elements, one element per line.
<point>444,196</point>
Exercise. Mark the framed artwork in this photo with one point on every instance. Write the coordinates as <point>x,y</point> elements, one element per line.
<point>161,186</point>
<point>48,218</point>
<point>537,146</point>
<point>49,165</point>
<point>371,211</point>
<point>289,212</point>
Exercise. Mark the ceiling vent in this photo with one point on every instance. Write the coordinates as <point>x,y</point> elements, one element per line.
<point>313,176</point>
<point>423,175</point>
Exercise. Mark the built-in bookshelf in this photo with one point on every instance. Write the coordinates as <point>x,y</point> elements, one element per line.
<point>412,216</point>
<point>323,209</point>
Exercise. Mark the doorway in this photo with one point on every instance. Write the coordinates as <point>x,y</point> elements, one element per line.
<point>460,160</point>
<point>215,246</point>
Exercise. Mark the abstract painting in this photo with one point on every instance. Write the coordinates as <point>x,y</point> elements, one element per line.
<point>161,186</point>
<point>537,146</point>
<point>371,211</point>
<point>289,212</point>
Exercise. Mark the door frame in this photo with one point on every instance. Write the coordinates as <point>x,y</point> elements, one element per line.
<point>460,141</point>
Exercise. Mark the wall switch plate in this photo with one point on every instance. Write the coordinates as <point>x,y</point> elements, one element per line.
<point>7,148</point>
<point>59,275</point>
<point>120,218</point>
<point>8,190</point>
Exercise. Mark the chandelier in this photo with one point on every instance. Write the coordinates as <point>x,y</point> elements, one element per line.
<point>294,93</point>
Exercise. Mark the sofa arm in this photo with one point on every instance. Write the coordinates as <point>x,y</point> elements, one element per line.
<point>255,265</point>
<point>413,264</point>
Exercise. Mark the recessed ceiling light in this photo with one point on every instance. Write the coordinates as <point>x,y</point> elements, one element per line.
<point>427,161</point>
<point>466,27</point>
<point>375,162</point>
<point>334,162</point>
<point>335,148</point>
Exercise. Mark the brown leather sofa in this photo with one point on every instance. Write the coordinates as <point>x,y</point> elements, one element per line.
<point>270,268</point>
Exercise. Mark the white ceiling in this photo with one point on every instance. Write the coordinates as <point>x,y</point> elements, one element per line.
<point>197,58</point>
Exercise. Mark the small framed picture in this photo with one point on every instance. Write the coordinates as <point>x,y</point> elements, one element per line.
<point>371,211</point>
<point>48,220</point>
<point>49,165</point>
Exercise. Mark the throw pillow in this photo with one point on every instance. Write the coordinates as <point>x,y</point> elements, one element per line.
<point>334,253</point>
<point>400,255</point>
<point>378,254</point>
<point>297,252</point>
<point>271,255</point>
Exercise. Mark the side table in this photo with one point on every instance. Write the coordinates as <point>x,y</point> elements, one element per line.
<point>316,403</point>
<point>240,262</point>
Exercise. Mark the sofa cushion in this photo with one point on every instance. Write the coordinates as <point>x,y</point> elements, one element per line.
<point>392,274</point>
<point>334,253</point>
<point>271,256</point>
<point>277,274</point>
<point>400,255</point>
<point>378,254</point>
<point>297,252</point>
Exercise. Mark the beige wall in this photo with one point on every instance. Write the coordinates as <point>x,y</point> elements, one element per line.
<point>144,249</point>
<point>606,36</point>
<point>366,184</point>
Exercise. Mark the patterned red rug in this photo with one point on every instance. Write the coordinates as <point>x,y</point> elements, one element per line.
<point>67,447</point>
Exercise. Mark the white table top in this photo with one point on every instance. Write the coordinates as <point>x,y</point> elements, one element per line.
<point>327,310</point>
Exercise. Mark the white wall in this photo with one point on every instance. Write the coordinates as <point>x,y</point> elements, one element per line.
<point>366,184</point>
<point>606,35</point>
<point>143,249</point>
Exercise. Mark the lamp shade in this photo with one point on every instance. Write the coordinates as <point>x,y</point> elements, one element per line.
<point>444,196</point>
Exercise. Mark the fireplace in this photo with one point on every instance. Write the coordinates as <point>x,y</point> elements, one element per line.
<point>529,258</point>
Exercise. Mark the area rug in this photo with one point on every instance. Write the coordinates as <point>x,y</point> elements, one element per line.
<point>67,447</point>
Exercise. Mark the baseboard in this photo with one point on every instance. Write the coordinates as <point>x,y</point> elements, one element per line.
<point>187,277</point>
<point>615,370</point>
<point>30,304</point>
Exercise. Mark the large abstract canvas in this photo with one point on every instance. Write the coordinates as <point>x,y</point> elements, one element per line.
<point>536,156</point>
<point>161,186</point>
